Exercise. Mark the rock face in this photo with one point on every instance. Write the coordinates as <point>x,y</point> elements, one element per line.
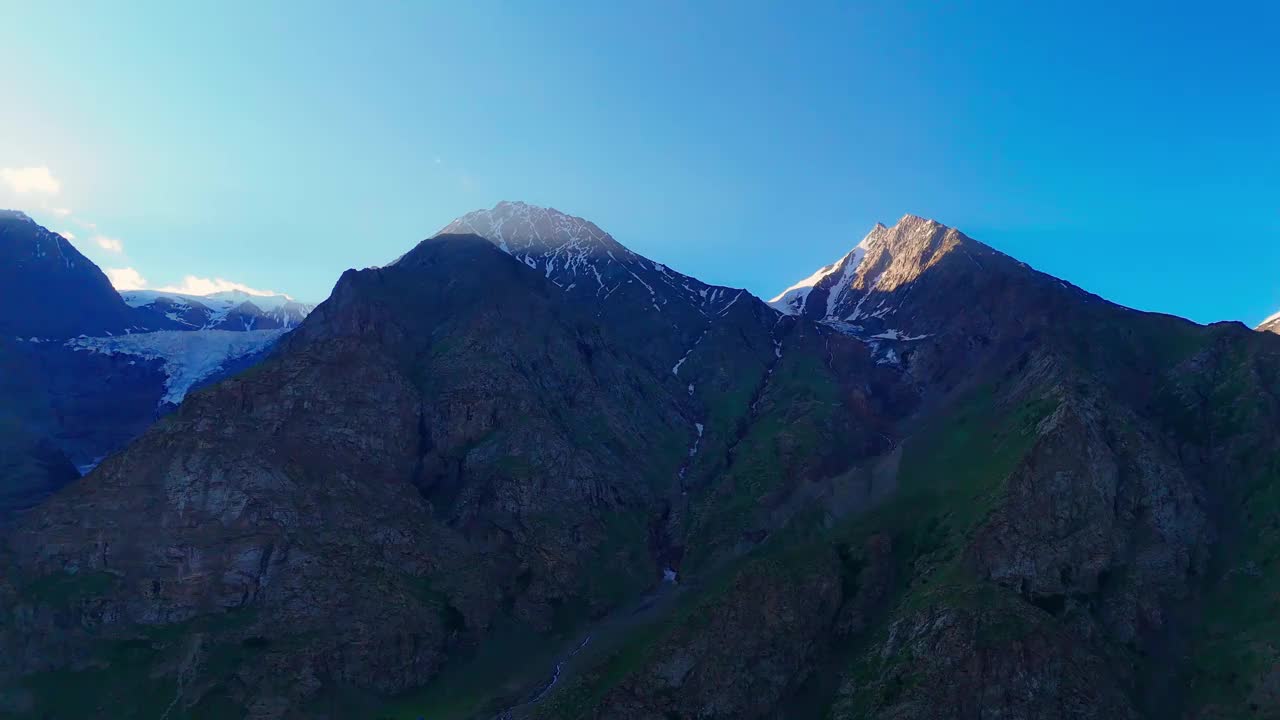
<point>520,474</point>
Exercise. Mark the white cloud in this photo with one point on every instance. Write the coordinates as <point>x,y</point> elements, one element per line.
<point>125,278</point>
<point>60,212</point>
<point>67,235</point>
<point>31,180</point>
<point>192,285</point>
<point>109,244</point>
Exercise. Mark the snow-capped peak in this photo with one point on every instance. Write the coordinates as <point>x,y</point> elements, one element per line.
<point>517,226</point>
<point>793,300</point>
<point>854,290</point>
<point>1271,324</point>
<point>580,258</point>
<point>223,310</point>
<point>15,215</point>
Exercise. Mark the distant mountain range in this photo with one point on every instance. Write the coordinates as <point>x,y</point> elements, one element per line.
<point>525,472</point>
<point>227,310</point>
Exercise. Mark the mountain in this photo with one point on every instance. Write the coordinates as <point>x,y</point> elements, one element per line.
<point>226,310</point>
<point>48,289</point>
<point>588,263</point>
<point>86,371</point>
<point>940,484</point>
<point>643,299</point>
<point>1271,324</point>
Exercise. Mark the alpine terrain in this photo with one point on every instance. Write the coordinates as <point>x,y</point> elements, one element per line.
<point>84,370</point>
<point>525,472</point>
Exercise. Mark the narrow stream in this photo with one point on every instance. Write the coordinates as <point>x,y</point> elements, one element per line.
<point>605,633</point>
<point>509,713</point>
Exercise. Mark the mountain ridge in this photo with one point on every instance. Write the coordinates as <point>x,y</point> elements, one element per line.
<point>948,485</point>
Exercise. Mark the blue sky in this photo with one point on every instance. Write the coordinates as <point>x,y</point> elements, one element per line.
<point>1134,151</point>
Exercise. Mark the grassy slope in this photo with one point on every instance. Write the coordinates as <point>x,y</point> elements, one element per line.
<point>1234,648</point>
<point>951,475</point>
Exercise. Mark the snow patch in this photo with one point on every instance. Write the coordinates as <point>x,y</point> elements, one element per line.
<point>892,334</point>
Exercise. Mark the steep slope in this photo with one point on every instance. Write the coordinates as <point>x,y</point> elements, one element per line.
<point>31,465</point>
<point>1271,324</point>
<point>48,289</point>
<point>828,284</point>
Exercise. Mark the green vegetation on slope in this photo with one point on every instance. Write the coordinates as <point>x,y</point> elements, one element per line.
<point>793,432</point>
<point>951,476</point>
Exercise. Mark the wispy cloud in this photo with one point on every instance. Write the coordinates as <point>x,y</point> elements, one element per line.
<point>109,244</point>
<point>60,212</point>
<point>35,180</point>
<point>125,278</point>
<point>193,285</point>
<point>68,235</point>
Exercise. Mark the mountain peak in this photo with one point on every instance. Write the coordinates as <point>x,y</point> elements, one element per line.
<point>49,289</point>
<point>886,258</point>
<point>586,262</point>
<point>15,215</point>
<point>519,227</point>
<point>909,219</point>
<point>793,300</point>
<point>1271,324</point>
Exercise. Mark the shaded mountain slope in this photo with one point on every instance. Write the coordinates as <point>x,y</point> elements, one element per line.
<point>1064,510</point>
<point>48,289</point>
<point>955,487</point>
<point>439,464</point>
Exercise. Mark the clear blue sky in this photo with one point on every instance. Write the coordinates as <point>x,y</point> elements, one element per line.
<point>1135,151</point>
